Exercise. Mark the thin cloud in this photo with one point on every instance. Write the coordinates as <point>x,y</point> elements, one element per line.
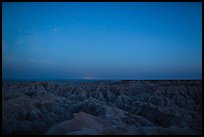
<point>41,61</point>
<point>3,44</point>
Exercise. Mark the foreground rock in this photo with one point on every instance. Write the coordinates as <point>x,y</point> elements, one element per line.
<point>102,107</point>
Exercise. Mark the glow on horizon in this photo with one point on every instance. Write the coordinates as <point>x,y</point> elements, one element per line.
<point>88,78</point>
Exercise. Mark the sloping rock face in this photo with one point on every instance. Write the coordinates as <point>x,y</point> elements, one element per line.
<point>102,107</point>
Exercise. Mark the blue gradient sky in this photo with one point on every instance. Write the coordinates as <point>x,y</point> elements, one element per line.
<point>102,40</point>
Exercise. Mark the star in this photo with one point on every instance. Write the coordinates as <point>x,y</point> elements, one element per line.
<point>55,29</point>
<point>177,8</point>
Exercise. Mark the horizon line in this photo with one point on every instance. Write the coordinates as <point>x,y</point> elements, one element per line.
<point>10,79</point>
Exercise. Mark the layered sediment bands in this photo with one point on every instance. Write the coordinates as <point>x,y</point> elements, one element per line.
<point>102,107</point>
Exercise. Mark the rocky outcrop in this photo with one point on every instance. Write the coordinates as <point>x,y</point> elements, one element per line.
<point>102,107</point>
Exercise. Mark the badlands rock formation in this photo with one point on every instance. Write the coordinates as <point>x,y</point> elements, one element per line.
<point>102,107</point>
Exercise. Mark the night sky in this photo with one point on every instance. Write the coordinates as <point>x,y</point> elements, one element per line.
<point>102,40</point>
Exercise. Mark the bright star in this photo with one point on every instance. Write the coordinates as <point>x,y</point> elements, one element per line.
<point>55,29</point>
